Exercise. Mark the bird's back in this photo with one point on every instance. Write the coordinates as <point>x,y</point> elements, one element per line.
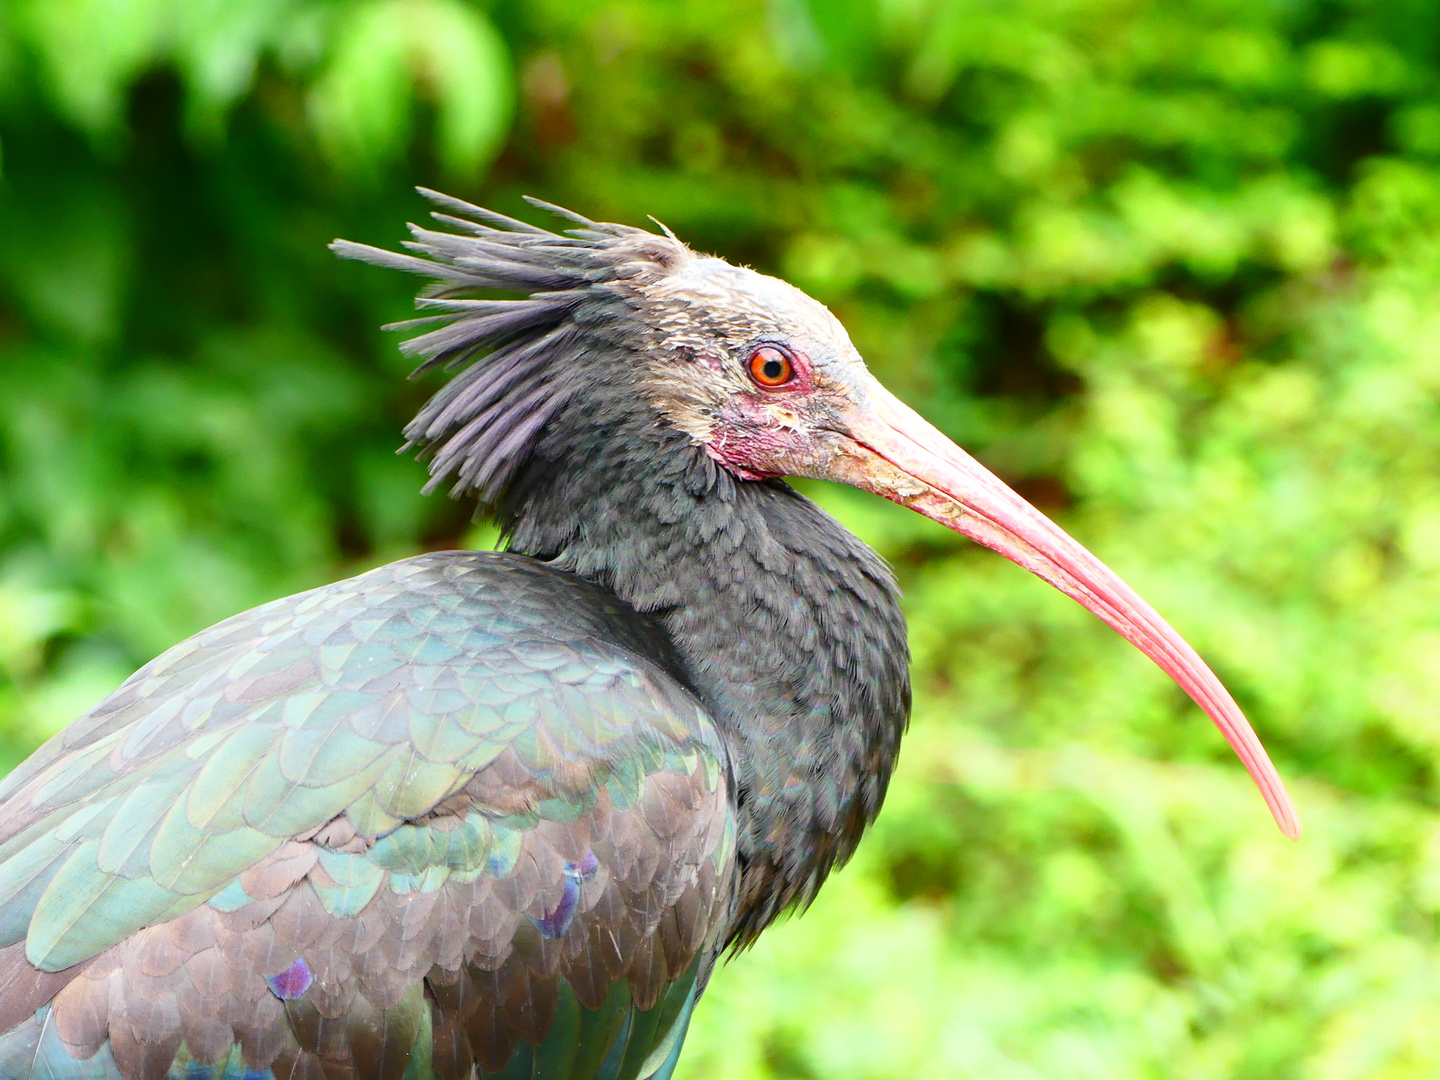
<point>459,812</point>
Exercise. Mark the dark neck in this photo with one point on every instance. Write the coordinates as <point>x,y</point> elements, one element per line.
<point>788,626</point>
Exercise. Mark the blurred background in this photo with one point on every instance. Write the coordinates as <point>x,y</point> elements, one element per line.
<point>1171,268</point>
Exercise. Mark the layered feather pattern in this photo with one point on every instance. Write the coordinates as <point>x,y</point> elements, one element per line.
<point>455,814</point>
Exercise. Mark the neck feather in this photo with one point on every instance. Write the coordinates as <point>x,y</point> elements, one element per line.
<point>788,626</point>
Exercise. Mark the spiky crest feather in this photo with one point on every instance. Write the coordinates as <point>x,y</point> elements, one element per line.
<point>520,361</point>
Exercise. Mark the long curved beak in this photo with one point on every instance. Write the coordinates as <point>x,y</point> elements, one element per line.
<point>897,454</point>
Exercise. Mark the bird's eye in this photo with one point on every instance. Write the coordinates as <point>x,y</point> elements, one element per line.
<point>771,367</point>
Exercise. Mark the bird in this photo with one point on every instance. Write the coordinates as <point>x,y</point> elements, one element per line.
<point>501,814</point>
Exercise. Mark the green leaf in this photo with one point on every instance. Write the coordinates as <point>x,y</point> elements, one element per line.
<point>385,52</point>
<point>90,50</point>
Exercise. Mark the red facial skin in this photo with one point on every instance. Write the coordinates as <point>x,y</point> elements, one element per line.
<point>746,431</point>
<point>735,439</point>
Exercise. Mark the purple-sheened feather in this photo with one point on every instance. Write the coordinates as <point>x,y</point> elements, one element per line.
<point>292,982</point>
<point>585,868</point>
<point>555,924</point>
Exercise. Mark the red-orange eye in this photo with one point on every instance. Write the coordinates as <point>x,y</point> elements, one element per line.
<point>770,367</point>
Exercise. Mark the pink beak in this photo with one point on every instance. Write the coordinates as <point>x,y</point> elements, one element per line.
<point>899,455</point>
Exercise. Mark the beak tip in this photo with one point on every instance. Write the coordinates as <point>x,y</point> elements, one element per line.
<point>1290,825</point>
<point>1282,807</point>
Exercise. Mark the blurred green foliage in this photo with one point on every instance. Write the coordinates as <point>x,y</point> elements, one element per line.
<point>1172,268</point>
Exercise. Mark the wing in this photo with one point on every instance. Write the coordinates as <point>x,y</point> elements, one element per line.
<point>459,809</point>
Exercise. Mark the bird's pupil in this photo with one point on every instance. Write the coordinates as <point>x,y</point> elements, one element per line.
<point>774,369</point>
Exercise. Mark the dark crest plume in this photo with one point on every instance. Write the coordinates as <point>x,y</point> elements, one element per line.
<point>522,360</point>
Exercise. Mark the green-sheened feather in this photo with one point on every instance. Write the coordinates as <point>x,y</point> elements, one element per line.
<point>370,703</point>
<point>84,909</point>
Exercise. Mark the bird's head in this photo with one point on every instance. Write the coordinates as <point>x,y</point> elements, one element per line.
<point>758,374</point>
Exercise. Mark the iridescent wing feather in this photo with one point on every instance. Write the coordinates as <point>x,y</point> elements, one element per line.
<point>456,813</point>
